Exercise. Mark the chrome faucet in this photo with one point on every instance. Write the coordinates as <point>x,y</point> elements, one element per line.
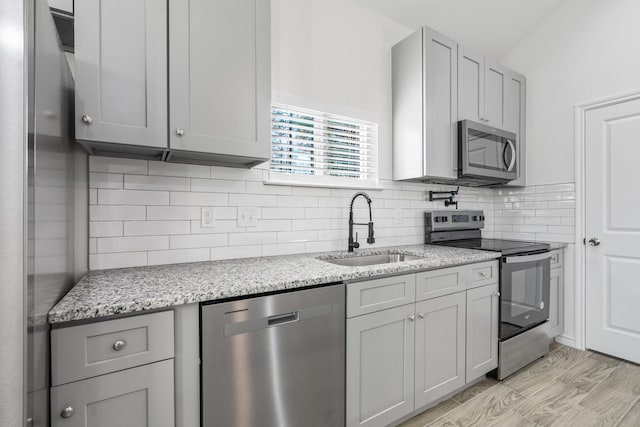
<point>353,244</point>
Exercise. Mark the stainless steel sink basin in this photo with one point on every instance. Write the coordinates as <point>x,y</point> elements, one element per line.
<point>359,261</point>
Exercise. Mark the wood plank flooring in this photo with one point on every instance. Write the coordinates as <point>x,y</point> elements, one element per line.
<point>566,388</point>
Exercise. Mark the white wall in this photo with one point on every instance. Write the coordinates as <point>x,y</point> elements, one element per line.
<point>584,50</point>
<point>336,54</point>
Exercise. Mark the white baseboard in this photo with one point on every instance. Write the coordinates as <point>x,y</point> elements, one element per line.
<point>569,341</point>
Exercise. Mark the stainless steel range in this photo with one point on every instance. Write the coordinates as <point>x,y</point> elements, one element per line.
<point>524,285</point>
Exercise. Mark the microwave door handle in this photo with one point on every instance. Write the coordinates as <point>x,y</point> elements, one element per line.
<point>526,258</point>
<point>513,156</point>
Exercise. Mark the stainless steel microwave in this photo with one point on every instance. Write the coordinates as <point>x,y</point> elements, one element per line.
<point>486,155</point>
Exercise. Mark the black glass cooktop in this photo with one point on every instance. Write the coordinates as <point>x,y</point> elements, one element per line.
<point>507,247</point>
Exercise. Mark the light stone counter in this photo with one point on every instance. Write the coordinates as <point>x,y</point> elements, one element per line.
<point>128,290</point>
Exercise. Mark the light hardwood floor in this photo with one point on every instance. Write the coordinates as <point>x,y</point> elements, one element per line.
<point>566,388</point>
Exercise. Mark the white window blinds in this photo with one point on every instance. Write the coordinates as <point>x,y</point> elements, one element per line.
<point>314,147</point>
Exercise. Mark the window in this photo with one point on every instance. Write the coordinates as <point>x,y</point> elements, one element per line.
<point>315,148</point>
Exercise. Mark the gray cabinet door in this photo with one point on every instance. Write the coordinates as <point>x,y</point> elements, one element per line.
<point>470,85</point>
<point>121,71</point>
<point>440,62</point>
<point>496,81</point>
<point>515,102</point>
<point>482,331</point>
<point>137,397</point>
<point>556,302</point>
<point>440,347</point>
<point>380,350</point>
<point>220,84</point>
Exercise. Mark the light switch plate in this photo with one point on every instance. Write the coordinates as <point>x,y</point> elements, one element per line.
<point>208,218</point>
<point>248,217</point>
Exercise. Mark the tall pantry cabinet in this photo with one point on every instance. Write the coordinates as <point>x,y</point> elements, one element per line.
<point>179,80</point>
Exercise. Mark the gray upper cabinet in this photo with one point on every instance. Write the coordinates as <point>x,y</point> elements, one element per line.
<point>482,89</point>
<point>515,121</point>
<point>220,79</point>
<point>425,107</point>
<point>121,72</point>
<point>185,80</point>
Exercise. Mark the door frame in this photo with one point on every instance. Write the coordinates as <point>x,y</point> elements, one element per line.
<point>580,180</point>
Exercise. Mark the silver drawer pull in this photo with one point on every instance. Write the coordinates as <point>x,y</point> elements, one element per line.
<point>119,345</point>
<point>497,294</point>
<point>412,318</point>
<point>87,120</point>
<point>483,274</point>
<point>420,315</point>
<point>67,412</point>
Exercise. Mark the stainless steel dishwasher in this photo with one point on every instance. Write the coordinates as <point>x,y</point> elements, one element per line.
<point>275,360</point>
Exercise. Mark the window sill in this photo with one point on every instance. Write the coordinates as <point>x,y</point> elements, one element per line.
<point>325,182</point>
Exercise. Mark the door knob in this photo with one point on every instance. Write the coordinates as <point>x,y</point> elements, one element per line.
<point>67,412</point>
<point>594,241</point>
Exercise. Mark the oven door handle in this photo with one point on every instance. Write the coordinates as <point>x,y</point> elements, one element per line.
<point>526,258</point>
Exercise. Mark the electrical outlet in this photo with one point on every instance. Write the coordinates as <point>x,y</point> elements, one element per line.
<point>248,217</point>
<point>397,216</point>
<point>208,218</point>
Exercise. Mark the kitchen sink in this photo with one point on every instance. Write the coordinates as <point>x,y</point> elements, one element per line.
<point>359,261</point>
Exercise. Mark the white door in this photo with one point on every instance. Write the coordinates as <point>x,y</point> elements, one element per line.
<point>612,217</point>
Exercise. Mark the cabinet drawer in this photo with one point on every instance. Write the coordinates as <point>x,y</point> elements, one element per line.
<point>557,259</point>
<point>380,294</point>
<point>436,283</point>
<point>85,351</point>
<point>484,273</point>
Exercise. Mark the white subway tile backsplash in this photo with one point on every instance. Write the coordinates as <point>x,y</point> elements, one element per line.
<point>116,213</point>
<point>159,183</point>
<point>179,169</point>
<point>132,197</point>
<point>132,244</point>
<point>148,212</point>
<point>117,165</point>
<point>217,186</point>
<point>232,252</point>
<point>173,213</point>
<point>117,260</point>
<point>105,229</point>
<point>156,228</point>
<point>198,241</point>
<point>198,199</point>
<point>178,256</point>
<point>260,238</point>
<point>106,180</point>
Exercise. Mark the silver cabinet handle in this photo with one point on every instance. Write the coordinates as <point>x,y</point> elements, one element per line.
<point>180,132</point>
<point>412,318</point>
<point>87,120</point>
<point>594,241</point>
<point>496,294</point>
<point>67,412</point>
<point>420,315</point>
<point>483,274</point>
<point>119,345</point>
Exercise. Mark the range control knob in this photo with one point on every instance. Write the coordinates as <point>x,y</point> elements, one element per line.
<point>482,218</point>
<point>474,218</point>
<point>436,219</point>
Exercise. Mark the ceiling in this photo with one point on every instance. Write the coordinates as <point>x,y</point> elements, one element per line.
<point>492,27</point>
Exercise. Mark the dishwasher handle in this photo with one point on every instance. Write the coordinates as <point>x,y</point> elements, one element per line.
<point>279,319</point>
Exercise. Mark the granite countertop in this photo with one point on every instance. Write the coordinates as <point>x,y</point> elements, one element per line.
<point>118,291</point>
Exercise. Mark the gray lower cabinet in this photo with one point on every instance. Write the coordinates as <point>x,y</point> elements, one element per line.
<point>440,347</point>
<point>141,396</point>
<point>380,370</point>
<point>121,72</point>
<point>407,356</point>
<point>556,294</point>
<point>117,372</point>
<point>482,331</point>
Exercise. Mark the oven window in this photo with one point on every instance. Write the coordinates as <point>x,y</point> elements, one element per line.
<point>524,296</point>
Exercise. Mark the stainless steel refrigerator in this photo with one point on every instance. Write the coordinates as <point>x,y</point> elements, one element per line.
<point>43,203</point>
